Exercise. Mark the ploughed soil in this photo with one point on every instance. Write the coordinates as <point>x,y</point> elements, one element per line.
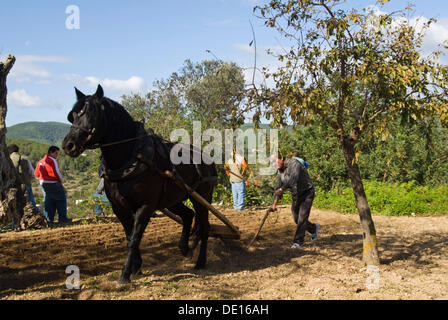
<point>413,252</point>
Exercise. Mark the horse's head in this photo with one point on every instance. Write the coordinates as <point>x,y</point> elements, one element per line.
<point>88,123</point>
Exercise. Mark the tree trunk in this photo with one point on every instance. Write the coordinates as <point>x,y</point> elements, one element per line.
<point>10,189</point>
<point>370,246</point>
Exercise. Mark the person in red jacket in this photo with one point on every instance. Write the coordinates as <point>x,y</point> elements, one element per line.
<point>50,178</point>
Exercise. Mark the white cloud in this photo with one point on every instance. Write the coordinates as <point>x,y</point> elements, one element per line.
<point>438,33</point>
<point>28,67</point>
<point>244,48</point>
<point>92,81</point>
<point>134,83</point>
<point>435,35</point>
<point>23,72</point>
<point>20,98</point>
<point>73,77</point>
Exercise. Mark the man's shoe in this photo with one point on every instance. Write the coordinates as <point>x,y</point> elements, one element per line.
<point>315,235</point>
<point>297,246</point>
<point>66,220</point>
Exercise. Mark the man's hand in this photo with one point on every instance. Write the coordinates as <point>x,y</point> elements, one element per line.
<point>278,192</point>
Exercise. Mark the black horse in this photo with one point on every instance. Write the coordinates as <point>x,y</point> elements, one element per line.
<point>132,161</point>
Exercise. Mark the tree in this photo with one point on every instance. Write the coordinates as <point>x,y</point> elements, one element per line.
<point>10,189</point>
<point>355,71</point>
<point>215,97</point>
<point>210,91</point>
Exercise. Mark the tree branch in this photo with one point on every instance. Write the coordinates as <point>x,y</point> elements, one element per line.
<point>6,66</point>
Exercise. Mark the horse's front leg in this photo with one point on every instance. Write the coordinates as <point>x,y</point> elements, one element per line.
<point>126,217</point>
<point>133,258</point>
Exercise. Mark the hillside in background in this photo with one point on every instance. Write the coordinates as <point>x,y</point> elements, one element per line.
<point>51,133</point>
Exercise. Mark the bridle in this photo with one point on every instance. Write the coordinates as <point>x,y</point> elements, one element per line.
<point>92,130</point>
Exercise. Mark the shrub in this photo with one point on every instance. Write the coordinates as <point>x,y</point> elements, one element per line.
<point>388,199</point>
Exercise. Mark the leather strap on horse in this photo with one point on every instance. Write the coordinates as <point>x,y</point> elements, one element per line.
<point>123,141</point>
<point>134,167</point>
<point>179,181</point>
<point>202,179</point>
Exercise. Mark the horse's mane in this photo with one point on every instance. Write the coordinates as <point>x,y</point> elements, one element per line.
<point>116,113</point>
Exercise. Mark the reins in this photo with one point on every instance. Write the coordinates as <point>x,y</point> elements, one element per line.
<point>122,141</point>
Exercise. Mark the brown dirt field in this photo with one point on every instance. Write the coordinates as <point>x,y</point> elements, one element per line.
<point>413,253</point>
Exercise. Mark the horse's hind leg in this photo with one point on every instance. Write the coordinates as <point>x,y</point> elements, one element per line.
<point>186,215</point>
<point>133,258</point>
<point>204,228</point>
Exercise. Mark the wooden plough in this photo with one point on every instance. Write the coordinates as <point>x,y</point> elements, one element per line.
<point>229,231</point>
<point>215,230</point>
<point>276,199</point>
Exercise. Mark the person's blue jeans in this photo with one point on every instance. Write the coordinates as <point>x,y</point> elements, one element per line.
<point>99,199</point>
<point>54,199</point>
<point>239,194</point>
<point>31,196</point>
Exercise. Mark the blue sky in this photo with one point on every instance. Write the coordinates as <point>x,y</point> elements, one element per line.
<point>127,45</point>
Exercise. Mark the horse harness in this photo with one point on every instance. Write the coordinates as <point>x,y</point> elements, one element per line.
<point>142,160</point>
<point>89,131</point>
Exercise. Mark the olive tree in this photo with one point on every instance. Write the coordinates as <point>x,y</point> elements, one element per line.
<point>355,70</point>
<point>210,91</point>
<point>10,189</point>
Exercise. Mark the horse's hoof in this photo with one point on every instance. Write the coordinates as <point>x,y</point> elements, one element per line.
<point>136,269</point>
<point>123,281</point>
<point>199,266</point>
<point>184,249</point>
<point>138,272</point>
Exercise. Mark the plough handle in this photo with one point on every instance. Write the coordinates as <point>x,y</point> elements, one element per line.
<point>202,201</point>
<point>261,226</point>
